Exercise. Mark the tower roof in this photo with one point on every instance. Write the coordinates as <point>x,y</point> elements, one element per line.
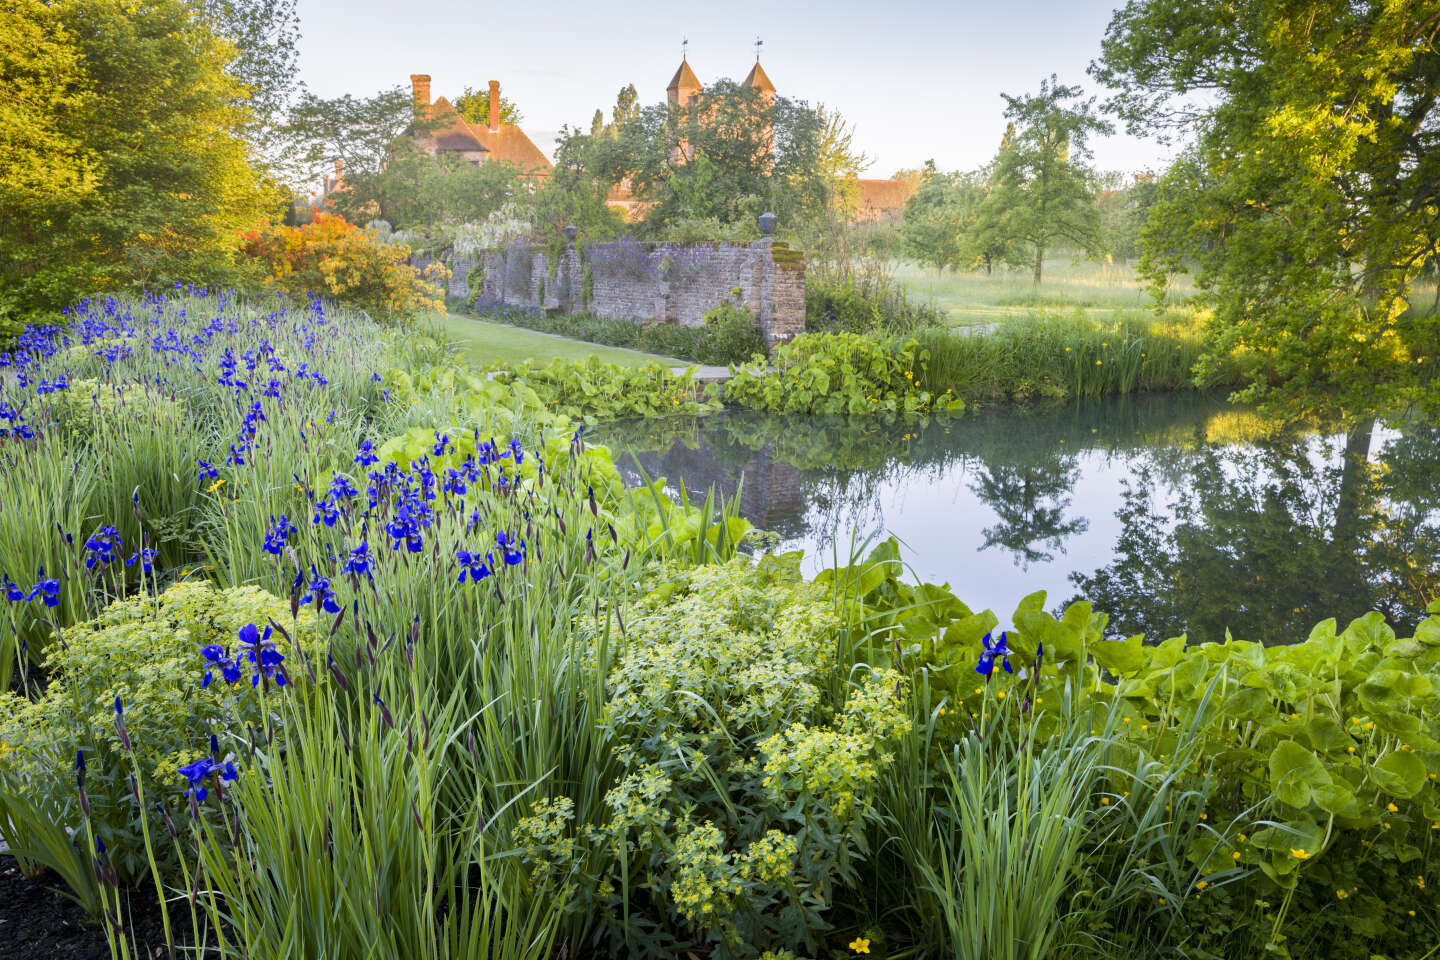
<point>684,79</point>
<point>757,78</point>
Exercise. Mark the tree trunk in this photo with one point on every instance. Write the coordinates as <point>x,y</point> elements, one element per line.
<point>1352,479</point>
<point>1039,263</point>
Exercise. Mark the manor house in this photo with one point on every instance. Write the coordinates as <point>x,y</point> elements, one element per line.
<point>445,131</point>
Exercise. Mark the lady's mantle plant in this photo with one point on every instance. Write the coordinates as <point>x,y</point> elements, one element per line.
<point>749,769</point>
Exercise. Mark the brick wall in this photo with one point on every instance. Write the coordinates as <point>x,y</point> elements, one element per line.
<point>767,277</point>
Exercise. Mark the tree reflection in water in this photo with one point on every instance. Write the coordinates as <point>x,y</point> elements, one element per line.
<point>1207,517</point>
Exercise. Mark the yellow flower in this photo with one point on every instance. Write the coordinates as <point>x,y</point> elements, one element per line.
<point>860,944</point>
<point>1392,808</point>
<point>216,485</point>
<point>1341,894</point>
<point>1235,855</point>
<point>1000,695</point>
<point>1420,882</point>
<point>1105,801</point>
<point>1299,854</point>
<point>942,711</point>
<point>1098,362</point>
<point>1202,884</point>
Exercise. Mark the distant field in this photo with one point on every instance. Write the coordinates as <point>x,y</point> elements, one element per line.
<point>973,298</point>
<point>484,341</point>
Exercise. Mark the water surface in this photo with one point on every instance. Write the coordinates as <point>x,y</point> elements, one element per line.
<point>1172,514</point>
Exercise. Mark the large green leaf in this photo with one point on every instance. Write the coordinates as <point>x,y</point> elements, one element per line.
<point>1399,773</point>
<point>1120,657</point>
<point>1295,774</point>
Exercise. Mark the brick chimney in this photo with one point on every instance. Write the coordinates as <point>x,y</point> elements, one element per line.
<point>420,91</point>
<point>494,106</point>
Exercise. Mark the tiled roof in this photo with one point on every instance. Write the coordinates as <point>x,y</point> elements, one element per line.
<point>684,78</point>
<point>883,198</point>
<point>509,143</point>
<point>757,78</point>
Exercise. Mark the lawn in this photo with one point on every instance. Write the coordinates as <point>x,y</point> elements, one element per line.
<point>484,342</point>
<point>973,298</point>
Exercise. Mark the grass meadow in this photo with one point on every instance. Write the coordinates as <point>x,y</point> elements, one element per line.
<point>975,298</point>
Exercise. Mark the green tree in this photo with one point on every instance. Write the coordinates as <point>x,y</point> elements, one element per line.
<point>474,106</point>
<point>1042,188</point>
<point>360,131</point>
<point>728,155</point>
<point>417,191</point>
<point>938,229</point>
<point>264,58</point>
<point>122,163</point>
<point>1305,199</point>
<point>1124,204</point>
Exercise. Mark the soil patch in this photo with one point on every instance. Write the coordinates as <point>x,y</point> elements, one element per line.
<point>37,922</point>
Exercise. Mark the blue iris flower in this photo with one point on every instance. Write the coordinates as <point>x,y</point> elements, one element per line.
<point>342,486</point>
<point>512,551</point>
<point>101,547</point>
<point>326,511</point>
<point>358,562</point>
<point>13,593</point>
<point>366,456</point>
<point>320,593</point>
<point>47,589</point>
<point>991,650</point>
<point>144,557</point>
<point>473,564</point>
<point>196,774</point>
<point>277,535</point>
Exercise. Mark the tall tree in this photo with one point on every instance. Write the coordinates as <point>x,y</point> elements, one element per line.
<point>932,223</point>
<point>1306,199</point>
<point>359,131</point>
<point>474,106</point>
<point>728,155</point>
<point>1043,189</point>
<point>263,35</point>
<point>148,176</point>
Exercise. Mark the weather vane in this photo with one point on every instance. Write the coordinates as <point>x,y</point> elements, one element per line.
<point>758,44</point>
<point>684,47</point>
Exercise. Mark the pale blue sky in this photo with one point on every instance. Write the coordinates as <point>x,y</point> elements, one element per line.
<point>916,79</point>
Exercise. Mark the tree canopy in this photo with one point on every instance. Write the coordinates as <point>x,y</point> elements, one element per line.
<point>125,164</point>
<point>728,155</point>
<point>1306,199</point>
<point>1042,190</point>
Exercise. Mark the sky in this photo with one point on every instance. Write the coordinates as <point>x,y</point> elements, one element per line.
<point>916,80</point>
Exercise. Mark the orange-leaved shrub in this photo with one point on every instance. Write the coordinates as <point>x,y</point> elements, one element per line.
<point>334,259</point>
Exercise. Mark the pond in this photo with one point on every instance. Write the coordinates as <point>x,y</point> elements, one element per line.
<point>1173,514</point>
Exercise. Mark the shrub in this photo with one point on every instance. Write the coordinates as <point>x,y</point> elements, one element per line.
<point>595,390</point>
<point>731,335</point>
<point>852,307</point>
<point>1309,768</point>
<point>333,259</point>
<point>748,770</point>
<point>147,652</point>
<point>841,373</point>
